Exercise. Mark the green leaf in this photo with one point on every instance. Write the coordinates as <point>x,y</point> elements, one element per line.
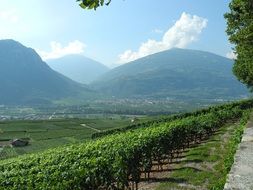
<point>82,5</point>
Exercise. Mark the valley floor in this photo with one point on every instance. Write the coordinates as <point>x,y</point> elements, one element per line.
<point>46,134</point>
<point>197,168</point>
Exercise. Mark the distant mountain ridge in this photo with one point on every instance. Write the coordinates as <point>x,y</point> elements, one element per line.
<point>175,73</point>
<point>26,79</point>
<point>78,68</point>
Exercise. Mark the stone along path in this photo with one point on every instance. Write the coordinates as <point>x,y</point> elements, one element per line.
<point>241,174</point>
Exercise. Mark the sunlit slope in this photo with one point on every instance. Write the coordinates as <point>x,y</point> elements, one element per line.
<point>176,73</point>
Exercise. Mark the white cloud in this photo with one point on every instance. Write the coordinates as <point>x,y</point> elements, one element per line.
<point>183,32</point>
<point>158,31</point>
<point>231,55</point>
<point>9,15</point>
<point>57,50</point>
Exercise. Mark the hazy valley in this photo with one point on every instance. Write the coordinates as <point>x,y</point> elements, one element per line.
<point>173,76</point>
<point>126,95</point>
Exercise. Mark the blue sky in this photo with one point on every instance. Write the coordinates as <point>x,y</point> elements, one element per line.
<point>121,32</point>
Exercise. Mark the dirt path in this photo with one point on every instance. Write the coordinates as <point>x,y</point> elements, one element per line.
<point>88,127</point>
<point>241,174</point>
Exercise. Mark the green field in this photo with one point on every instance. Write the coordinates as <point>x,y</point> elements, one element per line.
<point>197,149</point>
<point>47,134</point>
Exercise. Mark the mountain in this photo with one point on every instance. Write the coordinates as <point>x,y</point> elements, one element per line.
<point>26,79</point>
<point>78,68</point>
<point>177,74</point>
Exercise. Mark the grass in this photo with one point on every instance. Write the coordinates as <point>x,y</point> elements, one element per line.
<point>204,166</point>
<point>47,134</point>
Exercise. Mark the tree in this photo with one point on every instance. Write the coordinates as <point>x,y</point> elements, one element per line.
<point>240,32</point>
<point>92,4</point>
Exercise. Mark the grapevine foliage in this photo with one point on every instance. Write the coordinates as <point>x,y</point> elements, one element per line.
<point>116,161</point>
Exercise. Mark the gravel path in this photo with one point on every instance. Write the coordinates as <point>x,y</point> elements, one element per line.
<point>241,174</point>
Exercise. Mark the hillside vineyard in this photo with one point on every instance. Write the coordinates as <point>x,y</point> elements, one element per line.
<point>117,161</point>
